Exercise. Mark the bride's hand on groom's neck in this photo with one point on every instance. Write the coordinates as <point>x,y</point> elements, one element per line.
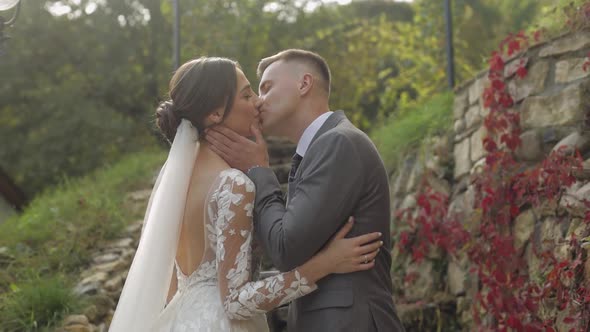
<point>238,151</point>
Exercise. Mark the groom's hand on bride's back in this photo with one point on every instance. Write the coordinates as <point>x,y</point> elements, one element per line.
<point>238,151</point>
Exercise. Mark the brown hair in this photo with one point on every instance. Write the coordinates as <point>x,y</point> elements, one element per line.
<point>197,88</point>
<point>311,59</point>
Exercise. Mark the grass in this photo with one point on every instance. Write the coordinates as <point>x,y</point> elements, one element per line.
<point>37,304</point>
<point>407,130</point>
<point>54,238</point>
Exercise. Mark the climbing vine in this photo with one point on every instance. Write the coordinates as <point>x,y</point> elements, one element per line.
<point>508,297</point>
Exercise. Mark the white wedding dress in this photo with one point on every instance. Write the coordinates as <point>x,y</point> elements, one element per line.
<point>220,295</point>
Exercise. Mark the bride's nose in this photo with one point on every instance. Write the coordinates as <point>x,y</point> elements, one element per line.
<point>257,102</point>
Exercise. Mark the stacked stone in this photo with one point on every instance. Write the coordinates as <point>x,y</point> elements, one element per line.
<point>553,104</point>
<point>553,101</point>
<point>425,298</point>
<point>101,283</point>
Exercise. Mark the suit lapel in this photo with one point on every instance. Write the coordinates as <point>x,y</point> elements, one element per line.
<point>332,121</point>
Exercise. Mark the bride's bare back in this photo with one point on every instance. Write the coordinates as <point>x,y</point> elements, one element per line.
<point>191,245</point>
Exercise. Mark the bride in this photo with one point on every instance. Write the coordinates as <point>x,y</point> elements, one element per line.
<point>192,268</point>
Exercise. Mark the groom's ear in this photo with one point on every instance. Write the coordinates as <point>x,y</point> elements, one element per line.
<point>305,84</point>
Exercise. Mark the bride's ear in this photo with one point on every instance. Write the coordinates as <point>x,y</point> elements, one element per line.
<point>216,117</point>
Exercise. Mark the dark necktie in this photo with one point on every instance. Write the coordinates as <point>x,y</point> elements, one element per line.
<point>295,161</point>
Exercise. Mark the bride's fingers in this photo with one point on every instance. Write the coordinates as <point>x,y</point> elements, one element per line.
<point>367,238</point>
<point>367,258</point>
<point>369,247</point>
<point>344,229</point>
<point>364,267</point>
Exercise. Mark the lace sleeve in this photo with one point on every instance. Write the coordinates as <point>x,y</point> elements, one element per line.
<point>241,297</point>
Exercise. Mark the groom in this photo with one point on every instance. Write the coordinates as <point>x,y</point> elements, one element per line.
<point>336,173</point>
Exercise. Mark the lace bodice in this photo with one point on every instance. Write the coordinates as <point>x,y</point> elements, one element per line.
<point>227,258</point>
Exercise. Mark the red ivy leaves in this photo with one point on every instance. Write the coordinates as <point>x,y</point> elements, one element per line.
<point>496,62</point>
<point>512,297</point>
<point>489,145</point>
<point>508,294</point>
<point>521,72</point>
<point>514,43</point>
<point>431,228</point>
<point>512,140</point>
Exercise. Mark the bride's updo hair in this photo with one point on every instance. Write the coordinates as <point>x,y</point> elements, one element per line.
<point>197,88</point>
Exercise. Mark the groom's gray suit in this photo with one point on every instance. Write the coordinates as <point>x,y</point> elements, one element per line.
<point>341,175</point>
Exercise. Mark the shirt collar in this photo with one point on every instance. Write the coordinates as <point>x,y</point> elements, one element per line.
<point>310,132</point>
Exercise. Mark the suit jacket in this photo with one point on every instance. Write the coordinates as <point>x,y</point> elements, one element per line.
<point>341,175</point>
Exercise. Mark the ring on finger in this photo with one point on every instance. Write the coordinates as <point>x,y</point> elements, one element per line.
<point>366,260</point>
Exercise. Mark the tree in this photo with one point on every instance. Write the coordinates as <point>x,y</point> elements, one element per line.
<point>79,88</point>
<point>70,104</point>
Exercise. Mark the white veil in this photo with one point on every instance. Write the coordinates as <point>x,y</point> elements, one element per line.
<point>146,288</point>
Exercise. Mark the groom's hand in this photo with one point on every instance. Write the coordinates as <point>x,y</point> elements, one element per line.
<point>238,151</point>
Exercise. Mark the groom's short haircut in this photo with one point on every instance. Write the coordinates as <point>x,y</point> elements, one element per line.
<point>313,60</point>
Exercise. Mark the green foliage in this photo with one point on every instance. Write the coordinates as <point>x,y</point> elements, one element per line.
<point>478,26</point>
<point>78,90</point>
<point>36,304</point>
<point>357,82</point>
<point>481,24</point>
<point>356,40</point>
<point>560,16</point>
<point>68,104</point>
<point>383,64</point>
<point>60,229</point>
<point>406,130</point>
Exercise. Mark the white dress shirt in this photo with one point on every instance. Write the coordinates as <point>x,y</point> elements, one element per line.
<point>310,132</point>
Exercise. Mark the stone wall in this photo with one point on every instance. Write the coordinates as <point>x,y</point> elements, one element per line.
<point>554,102</point>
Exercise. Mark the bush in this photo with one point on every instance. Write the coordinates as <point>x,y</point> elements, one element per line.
<point>407,130</point>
